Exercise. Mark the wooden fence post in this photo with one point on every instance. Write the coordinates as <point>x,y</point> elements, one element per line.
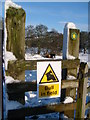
<point>15,25</point>
<point>15,39</point>
<point>70,51</point>
<point>82,90</point>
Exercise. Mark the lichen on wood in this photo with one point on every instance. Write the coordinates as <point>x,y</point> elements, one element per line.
<point>15,25</point>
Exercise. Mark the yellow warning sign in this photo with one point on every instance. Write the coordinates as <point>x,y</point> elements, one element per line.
<point>48,79</point>
<point>48,90</point>
<point>49,76</point>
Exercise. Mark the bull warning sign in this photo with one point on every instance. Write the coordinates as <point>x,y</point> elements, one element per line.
<point>48,79</point>
<point>49,76</point>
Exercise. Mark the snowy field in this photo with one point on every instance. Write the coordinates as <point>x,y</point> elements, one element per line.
<point>31,97</point>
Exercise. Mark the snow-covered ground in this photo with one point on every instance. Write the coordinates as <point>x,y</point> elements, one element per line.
<point>84,58</point>
<point>29,56</point>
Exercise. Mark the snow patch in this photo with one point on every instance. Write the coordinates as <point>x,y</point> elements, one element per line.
<point>70,77</point>
<point>9,3</point>
<point>84,58</point>
<point>68,100</point>
<point>30,74</point>
<point>88,65</point>
<point>9,79</point>
<point>71,57</point>
<point>8,57</point>
<point>29,96</point>
<point>29,56</point>
<point>32,95</point>
<point>64,116</point>
<point>58,57</point>
<point>37,56</point>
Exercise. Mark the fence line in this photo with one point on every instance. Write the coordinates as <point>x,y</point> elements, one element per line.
<point>32,86</point>
<point>79,105</point>
<point>41,110</point>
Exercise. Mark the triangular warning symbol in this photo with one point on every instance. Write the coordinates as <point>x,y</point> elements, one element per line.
<point>49,76</point>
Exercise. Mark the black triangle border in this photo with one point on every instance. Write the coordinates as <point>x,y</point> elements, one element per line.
<point>45,72</point>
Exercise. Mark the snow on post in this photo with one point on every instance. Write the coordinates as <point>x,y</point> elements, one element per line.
<point>70,41</point>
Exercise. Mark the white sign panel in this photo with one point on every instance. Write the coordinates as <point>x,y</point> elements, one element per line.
<point>48,79</point>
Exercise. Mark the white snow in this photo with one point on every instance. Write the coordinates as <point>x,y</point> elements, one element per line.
<point>88,83</point>
<point>9,79</point>
<point>29,56</point>
<point>9,3</point>
<point>8,56</point>
<point>28,96</point>
<point>84,58</point>
<point>70,77</point>
<point>58,57</point>
<point>66,39</point>
<point>30,74</point>
<point>68,100</point>
<point>71,57</point>
<point>65,117</point>
<point>33,57</point>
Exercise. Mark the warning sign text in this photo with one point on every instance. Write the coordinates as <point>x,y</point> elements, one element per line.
<point>49,90</point>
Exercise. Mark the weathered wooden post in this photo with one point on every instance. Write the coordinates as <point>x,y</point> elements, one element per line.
<point>15,30</point>
<point>82,91</point>
<point>70,46</point>
<point>70,42</point>
<point>70,51</point>
<point>15,35</point>
<point>15,41</point>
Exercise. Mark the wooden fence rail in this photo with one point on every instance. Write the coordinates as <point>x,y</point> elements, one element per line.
<point>32,86</point>
<point>16,69</point>
<point>79,105</point>
<point>41,110</point>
